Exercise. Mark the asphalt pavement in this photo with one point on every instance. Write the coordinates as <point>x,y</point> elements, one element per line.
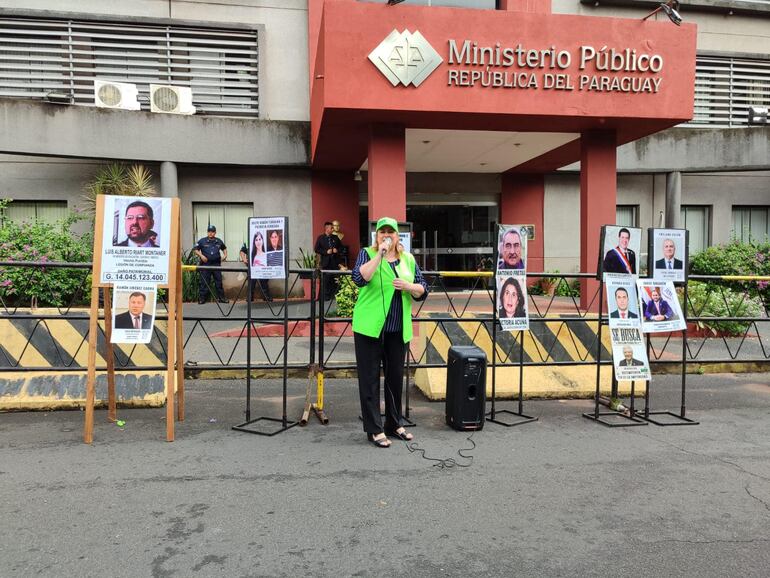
<point>562,496</point>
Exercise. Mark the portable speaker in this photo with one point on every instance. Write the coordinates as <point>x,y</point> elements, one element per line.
<point>466,388</point>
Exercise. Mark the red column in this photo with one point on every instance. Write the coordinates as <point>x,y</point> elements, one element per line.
<point>335,196</point>
<point>521,202</point>
<point>598,196</point>
<point>387,172</point>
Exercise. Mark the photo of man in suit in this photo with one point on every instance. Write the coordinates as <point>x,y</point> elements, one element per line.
<point>134,318</point>
<point>628,358</point>
<point>621,300</point>
<point>139,222</point>
<point>620,259</point>
<point>657,309</point>
<point>668,261</point>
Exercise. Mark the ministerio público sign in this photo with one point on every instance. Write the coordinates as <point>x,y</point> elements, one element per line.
<point>408,58</point>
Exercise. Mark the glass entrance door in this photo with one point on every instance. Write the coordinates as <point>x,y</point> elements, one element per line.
<point>457,237</point>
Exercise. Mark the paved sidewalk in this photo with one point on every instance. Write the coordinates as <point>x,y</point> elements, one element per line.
<point>561,497</point>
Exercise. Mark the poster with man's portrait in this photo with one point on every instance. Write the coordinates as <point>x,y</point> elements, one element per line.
<point>133,312</point>
<point>622,304</point>
<point>136,239</point>
<point>659,305</point>
<point>512,310</point>
<point>667,254</point>
<point>619,250</point>
<point>629,354</point>
<point>267,254</point>
<point>511,248</point>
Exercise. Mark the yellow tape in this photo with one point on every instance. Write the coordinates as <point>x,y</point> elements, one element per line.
<point>189,267</point>
<point>744,278</point>
<point>320,402</point>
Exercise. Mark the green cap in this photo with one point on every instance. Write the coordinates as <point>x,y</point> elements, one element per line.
<point>387,222</point>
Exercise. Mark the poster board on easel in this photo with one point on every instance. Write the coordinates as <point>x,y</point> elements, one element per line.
<point>136,246</point>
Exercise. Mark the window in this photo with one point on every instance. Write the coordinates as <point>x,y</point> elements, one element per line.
<point>41,56</point>
<point>725,88</point>
<point>697,220</point>
<point>751,224</point>
<point>230,219</point>
<point>29,211</point>
<point>627,215</point>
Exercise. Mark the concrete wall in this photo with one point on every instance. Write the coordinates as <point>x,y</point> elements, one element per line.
<point>720,191</point>
<point>41,128</point>
<point>283,90</point>
<point>273,192</point>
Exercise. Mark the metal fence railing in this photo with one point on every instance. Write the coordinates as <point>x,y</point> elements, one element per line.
<point>46,329</point>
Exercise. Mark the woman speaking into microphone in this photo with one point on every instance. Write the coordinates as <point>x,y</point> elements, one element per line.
<point>389,279</point>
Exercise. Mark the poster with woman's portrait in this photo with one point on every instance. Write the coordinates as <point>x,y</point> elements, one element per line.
<point>667,254</point>
<point>619,250</point>
<point>512,248</point>
<point>660,307</point>
<point>512,310</point>
<point>266,247</point>
<point>133,312</point>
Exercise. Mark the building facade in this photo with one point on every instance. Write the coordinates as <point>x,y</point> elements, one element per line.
<point>293,117</point>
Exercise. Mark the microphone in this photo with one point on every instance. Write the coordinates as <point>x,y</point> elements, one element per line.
<point>388,243</point>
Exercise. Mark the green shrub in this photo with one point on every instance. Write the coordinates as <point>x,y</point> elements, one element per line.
<point>567,288</point>
<point>40,241</point>
<point>346,296</point>
<point>190,279</point>
<point>559,286</point>
<point>736,258</point>
<point>709,300</point>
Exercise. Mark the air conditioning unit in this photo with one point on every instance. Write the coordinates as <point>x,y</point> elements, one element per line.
<point>109,94</point>
<point>171,99</point>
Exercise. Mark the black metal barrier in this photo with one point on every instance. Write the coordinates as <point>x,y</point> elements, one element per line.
<point>557,323</point>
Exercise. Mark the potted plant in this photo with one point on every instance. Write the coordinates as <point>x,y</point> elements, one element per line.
<point>308,263</point>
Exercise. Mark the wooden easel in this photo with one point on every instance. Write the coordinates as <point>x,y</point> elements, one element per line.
<point>175,363</point>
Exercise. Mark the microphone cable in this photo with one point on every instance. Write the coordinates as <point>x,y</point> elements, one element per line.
<point>445,463</point>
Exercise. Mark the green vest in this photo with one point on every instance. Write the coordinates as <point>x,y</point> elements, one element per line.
<point>373,305</point>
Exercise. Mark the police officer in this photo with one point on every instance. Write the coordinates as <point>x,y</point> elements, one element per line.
<point>208,250</point>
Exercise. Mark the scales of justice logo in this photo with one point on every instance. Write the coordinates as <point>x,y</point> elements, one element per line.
<point>405,57</point>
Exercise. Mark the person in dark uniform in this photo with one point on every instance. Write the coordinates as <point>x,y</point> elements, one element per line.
<point>263,285</point>
<point>328,247</point>
<point>208,250</point>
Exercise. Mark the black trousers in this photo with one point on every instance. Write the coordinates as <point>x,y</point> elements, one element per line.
<point>206,275</point>
<point>389,350</point>
<point>264,287</point>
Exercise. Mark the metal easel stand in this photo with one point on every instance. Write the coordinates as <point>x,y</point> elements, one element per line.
<point>285,424</point>
<point>599,416</point>
<point>520,418</point>
<point>678,418</point>
<point>315,373</point>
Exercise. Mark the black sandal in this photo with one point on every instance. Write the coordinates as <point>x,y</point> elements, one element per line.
<point>403,435</point>
<point>382,442</point>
